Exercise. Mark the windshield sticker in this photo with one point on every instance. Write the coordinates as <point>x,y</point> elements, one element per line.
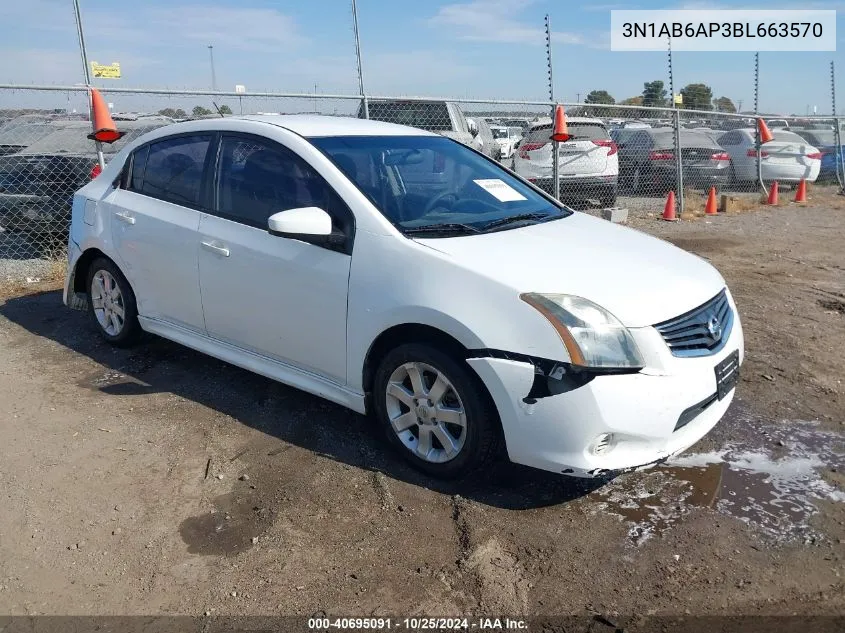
<point>500,190</point>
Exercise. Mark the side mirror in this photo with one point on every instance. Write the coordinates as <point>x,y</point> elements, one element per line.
<point>303,222</point>
<point>311,225</point>
<point>473,127</point>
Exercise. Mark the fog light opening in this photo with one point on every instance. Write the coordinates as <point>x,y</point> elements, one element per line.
<point>603,444</point>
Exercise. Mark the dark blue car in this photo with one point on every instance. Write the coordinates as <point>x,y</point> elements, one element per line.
<point>825,141</point>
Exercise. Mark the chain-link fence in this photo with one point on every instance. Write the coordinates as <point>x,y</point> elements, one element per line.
<point>615,157</point>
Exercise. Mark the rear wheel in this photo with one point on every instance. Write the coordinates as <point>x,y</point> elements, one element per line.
<point>636,180</point>
<point>111,304</point>
<point>608,199</point>
<point>435,412</point>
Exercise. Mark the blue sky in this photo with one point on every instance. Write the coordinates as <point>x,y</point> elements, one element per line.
<point>461,48</point>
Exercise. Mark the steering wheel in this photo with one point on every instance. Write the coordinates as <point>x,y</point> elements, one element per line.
<point>433,203</point>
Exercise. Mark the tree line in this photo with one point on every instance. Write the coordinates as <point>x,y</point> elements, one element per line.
<point>695,97</point>
<point>198,111</point>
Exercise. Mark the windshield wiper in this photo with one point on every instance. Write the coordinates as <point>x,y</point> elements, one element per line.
<point>522,217</point>
<point>450,227</point>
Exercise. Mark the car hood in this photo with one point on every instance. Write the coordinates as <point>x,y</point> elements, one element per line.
<point>640,279</point>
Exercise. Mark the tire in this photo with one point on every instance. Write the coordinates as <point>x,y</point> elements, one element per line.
<point>109,295</point>
<point>733,183</point>
<point>608,200</point>
<point>462,398</point>
<point>636,179</point>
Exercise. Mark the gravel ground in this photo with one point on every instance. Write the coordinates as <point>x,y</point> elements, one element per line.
<point>157,480</point>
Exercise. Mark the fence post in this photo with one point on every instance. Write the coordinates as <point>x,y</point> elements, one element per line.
<point>87,70</point>
<point>840,161</point>
<point>759,146</point>
<point>679,165</point>
<point>555,144</point>
<point>360,65</point>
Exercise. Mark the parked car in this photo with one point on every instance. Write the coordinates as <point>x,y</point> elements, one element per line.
<point>442,117</point>
<point>507,138</point>
<point>825,141</point>
<point>291,246</point>
<point>484,141</point>
<point>15,137</point>
<point>37,183</point>
<point>787,158</point>
<point>778,123</point>
<point>647,162</point>
<point>588,162</point>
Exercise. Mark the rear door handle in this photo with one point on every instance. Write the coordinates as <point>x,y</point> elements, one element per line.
<point>216,248</point>
<point>125,217</point>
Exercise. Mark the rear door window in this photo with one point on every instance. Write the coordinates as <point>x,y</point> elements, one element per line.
<point>172,169</point>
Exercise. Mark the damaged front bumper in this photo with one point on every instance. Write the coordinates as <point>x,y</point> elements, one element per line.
<point>593,425</point>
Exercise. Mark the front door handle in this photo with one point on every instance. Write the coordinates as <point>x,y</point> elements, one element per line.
<point>215,247</point>
<point>125,217</point>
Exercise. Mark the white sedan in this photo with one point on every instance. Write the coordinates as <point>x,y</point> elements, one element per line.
<point>788,158</point>
<point>399,273</point>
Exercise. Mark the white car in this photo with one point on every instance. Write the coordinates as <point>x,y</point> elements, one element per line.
<point>788,158</point>
<point>588,163</point>
<point>507,138</point>
<point>462,307</point>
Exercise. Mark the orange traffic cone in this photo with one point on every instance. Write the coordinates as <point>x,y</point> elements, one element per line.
<point>765,134</point>
<point>773,194</point>
<point>105,131</point>
<point>669,208</point>
<point>710,207</point>
<point>561,131</point>
<point>801,192</point>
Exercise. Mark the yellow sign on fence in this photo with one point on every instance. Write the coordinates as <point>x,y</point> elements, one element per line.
<point>101,71</point>
<point>679,99</point>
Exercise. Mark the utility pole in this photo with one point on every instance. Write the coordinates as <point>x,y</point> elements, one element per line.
<point>577,97</point>
<point>358,57</point>
<point>739,106</point>
<point>213,74</point>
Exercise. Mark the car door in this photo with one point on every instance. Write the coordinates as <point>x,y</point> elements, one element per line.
<point>154,219</point>
<point>278,297</point>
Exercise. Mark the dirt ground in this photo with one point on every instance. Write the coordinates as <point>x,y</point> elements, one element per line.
<point>157,480</point>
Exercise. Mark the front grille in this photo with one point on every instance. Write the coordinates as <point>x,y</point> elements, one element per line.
<point>699,332</point>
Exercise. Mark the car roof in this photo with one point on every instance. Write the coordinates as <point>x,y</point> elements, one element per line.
<point>311,125</point>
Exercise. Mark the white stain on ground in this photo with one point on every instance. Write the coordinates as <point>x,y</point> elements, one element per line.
<point>770,478</point>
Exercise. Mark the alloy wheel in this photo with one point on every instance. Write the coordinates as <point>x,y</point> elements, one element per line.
<point>108,303</point>
<point>426,412</point>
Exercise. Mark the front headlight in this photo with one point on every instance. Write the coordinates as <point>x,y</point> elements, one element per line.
<point>593,336</point>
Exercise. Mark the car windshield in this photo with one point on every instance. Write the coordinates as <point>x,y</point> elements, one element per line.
<point>499,132</point>
<point>433,184</point>
<point>24,134</point>
<point>820,137</point>
<point>787,137</point>
<point>578,131</point>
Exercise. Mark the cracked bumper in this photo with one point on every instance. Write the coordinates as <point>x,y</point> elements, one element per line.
<point>557,433</point>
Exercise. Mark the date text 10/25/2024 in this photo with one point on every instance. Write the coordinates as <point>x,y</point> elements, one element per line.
<point>418,624</point>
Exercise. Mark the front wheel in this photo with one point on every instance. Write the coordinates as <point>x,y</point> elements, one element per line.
<point>435,412</point>
<point>111,304</point>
